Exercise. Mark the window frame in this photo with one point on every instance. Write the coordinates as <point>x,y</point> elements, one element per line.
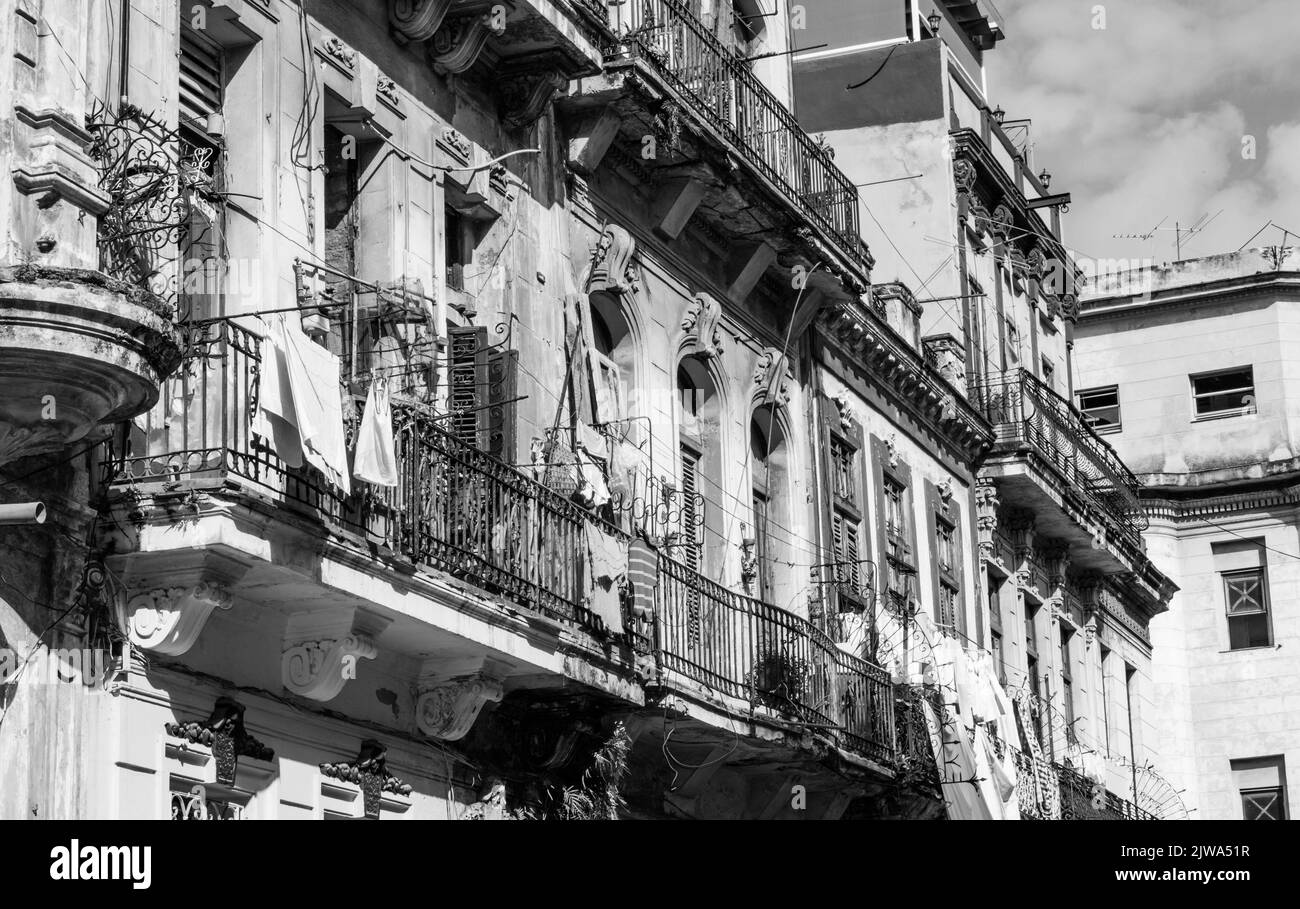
<point>1088,413</point>
<point>1225,413</point>
<point>1265,609</point>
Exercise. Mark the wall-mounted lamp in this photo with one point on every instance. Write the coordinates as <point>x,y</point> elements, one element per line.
<point>22,513</point>
<point>935,21</point>
<point>999,114</point>
<point>1045,178</point>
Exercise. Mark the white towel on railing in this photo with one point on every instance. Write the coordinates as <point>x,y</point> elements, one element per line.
<point>300,411</point>
<point>275,420</point>
<point>375,460</point>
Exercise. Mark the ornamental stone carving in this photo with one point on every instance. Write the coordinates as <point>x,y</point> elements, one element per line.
<point>446,708</point>
<point>417,20</point>
<point>322,650</point>
<point>455,144</point>
<point>771,378</point>
<point>703,325</point>
<point>458,43</point>
<point>224,732</point>
<point>369,771</point>
<point>1001,222</point>
<point>168,620</point>
<point>336,50</point>
<point>986,516</point>
<point>612,269</point>
<point>963,172</point>
<point>524,94</point>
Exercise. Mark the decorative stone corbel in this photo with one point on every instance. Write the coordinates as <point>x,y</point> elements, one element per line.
<point>322,647</point>
<point>844,404</point>
<point>963,174</point>
<point>771,378</point>
<point>524,93</point>
<point>224,732</point>
<point>613,270</point>
<point>168,620</point>
<point>417,20</point>
<point>703,325</point>
<point>369,771</point>
<point>891,449</point>
<point>448,705</point>
<point>458,43</point>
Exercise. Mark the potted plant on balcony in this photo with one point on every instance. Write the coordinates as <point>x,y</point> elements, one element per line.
<point>779,679</point>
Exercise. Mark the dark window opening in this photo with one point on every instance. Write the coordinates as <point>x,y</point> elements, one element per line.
<point>1100,408</point>
<point>1228,392</point>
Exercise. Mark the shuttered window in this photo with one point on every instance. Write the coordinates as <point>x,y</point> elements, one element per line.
<point>200,78</point>
<point>482,390</point>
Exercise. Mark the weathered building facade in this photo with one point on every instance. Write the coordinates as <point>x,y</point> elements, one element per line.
<point>670,489</point>
<point>1063,590</point>
<point>1209,428</point>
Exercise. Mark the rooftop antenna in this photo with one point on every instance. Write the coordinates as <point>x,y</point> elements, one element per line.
<point>1181,234</point>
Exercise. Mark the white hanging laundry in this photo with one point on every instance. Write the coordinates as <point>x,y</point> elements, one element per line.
<point>593,492</point>
<point>375,460</point>
<point>276,421</point>
<point>606,569</point>
<point>312,374</point>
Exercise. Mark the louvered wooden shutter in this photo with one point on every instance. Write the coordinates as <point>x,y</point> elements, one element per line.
<point>690,510</point>
<point>200,78</point>
<point>503,388</point>
<point>468,384</point>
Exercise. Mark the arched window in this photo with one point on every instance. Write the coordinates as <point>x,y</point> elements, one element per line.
<point>613,358</point>
<point>700,450</point>
<point>769,459</point>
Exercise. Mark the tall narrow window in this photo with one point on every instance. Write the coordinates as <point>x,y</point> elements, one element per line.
<point>1067,687</point>
<point>202,150</point>
<point>768,456</point>
<point>1130,707</point>
<point>1241,565</point>
<point>851,579</point>
<point>1246,593</point>
<point>700,440</point>
<point>950,608</point>
<point>1105,698</point>
<point>456,248</point>
<point>1031,648</point>
<point>995,626</point>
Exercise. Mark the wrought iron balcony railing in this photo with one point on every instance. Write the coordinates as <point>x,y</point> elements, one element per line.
<point>455,508</point>
<point>743,648</point>
<point>1025,413</point>
<point>719,87</point>
<point>1080,799</point>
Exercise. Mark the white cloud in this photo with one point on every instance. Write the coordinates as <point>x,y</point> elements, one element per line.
<point>1145,118</point>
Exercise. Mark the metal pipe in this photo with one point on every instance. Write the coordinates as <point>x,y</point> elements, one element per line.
<point>22,513</point>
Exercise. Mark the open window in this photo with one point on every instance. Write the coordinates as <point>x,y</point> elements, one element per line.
<point>1223,393</point>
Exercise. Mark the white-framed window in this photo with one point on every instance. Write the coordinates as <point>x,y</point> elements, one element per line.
<point>1223,393</point>
<point>1261,783</point>
<point>1246,595</point>
<point>1100,408</point>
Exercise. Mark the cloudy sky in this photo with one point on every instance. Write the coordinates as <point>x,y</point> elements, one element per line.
<point>1145,118</point>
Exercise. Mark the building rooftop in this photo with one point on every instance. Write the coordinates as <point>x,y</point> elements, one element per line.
<point>1223,271</point>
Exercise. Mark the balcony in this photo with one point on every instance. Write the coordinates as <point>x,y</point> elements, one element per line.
<point>706,636</point>
<point>455,510</point>
<point>1050,460</point>
<point>665,70</point>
